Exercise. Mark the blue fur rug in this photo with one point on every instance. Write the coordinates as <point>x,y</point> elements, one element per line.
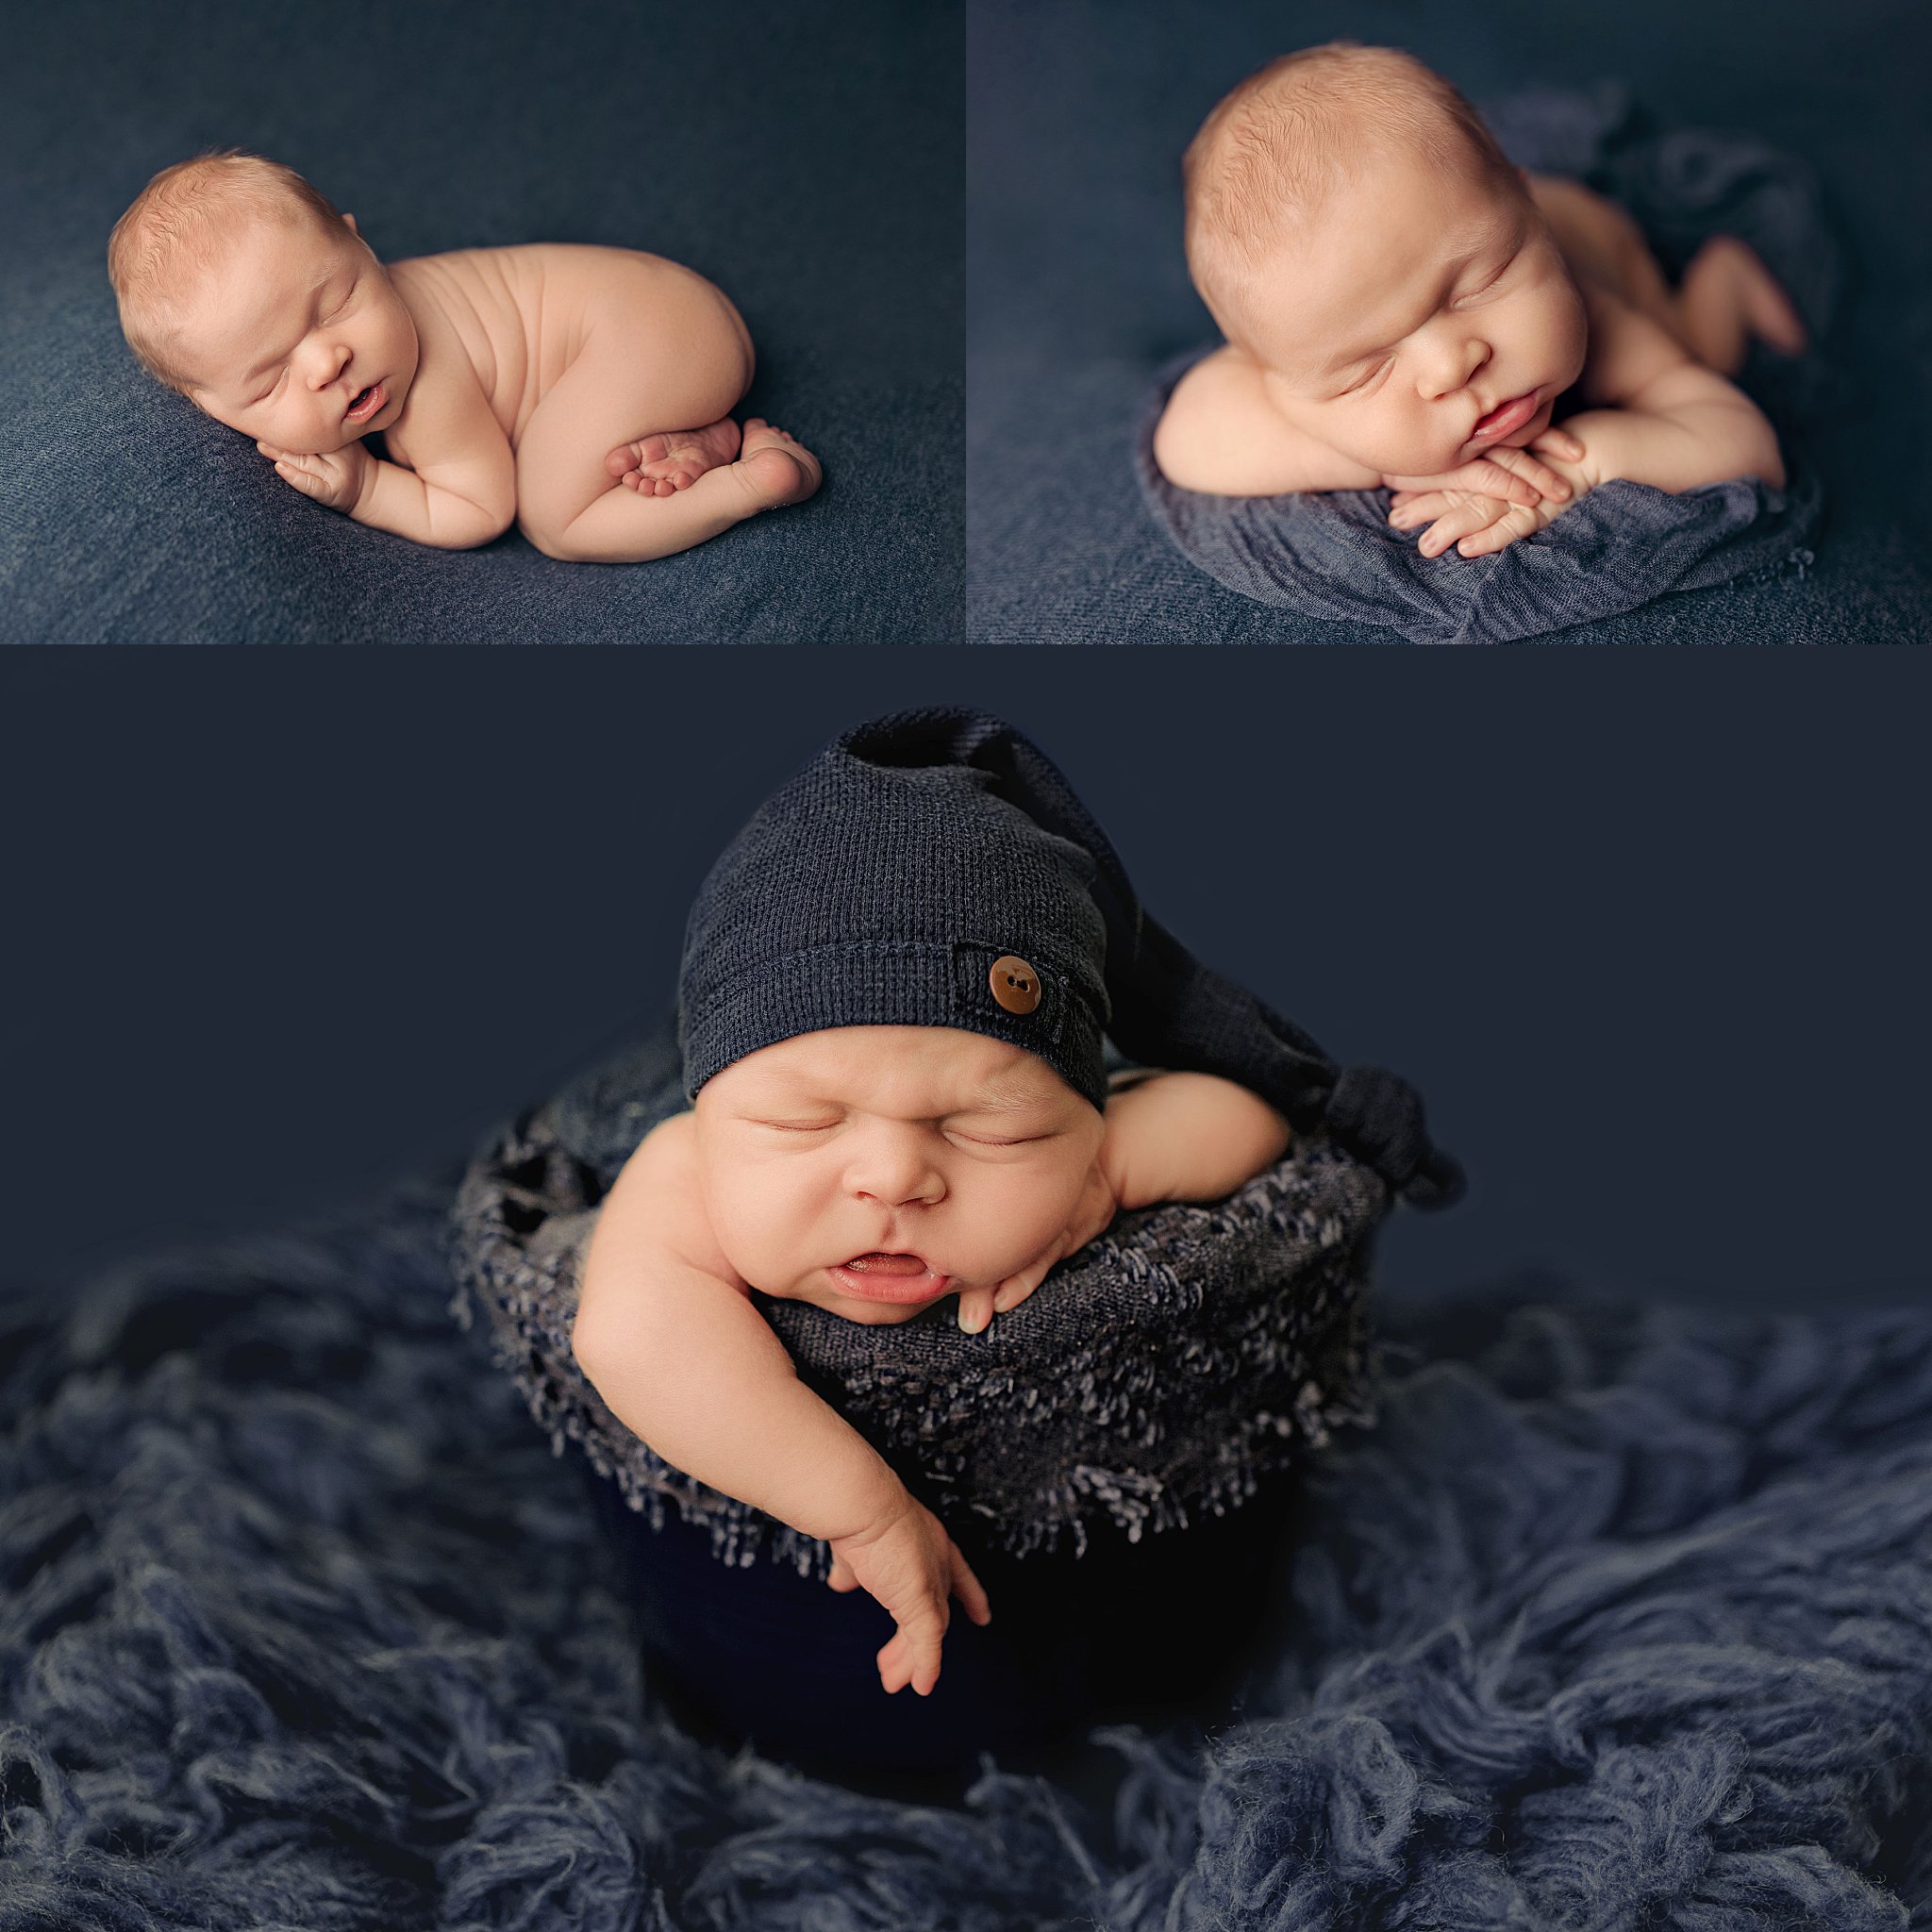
<point>1621,1619</point>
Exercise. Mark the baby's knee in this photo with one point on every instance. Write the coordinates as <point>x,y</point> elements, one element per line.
<point>553,538</point>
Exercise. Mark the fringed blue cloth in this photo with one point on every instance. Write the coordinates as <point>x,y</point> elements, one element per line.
<point>1334,555</point>
<point>1164,1371</point>
<point>1619,1618</point>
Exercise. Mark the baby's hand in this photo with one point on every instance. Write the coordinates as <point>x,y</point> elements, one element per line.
<point>1094,1213</point>
<point>913,1567</point>
<point>336,480</point>
<point>1511,476</point>
<point>1478,521</point>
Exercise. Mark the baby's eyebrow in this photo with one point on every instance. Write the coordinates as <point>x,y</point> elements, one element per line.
<point>1003,1100</point>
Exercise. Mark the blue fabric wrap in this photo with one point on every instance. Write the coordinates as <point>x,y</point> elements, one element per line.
<point>1334,555</point>
<point>1620,1617</point>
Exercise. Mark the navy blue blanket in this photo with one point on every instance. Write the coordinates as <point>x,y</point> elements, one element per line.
<point>748,149</point>
<point>1621,1617</point>
<point>1334,556</point>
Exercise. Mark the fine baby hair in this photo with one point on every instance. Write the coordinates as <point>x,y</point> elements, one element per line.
<point>177,224</point>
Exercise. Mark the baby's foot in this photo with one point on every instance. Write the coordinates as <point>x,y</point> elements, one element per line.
<point>778,466</point>
<point>662,465</point>
<point>1727,295</point>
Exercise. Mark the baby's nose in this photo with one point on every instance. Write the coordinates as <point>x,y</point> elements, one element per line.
<point>329,364</point>
<point>895,1172</point>
<point>1456,364</point>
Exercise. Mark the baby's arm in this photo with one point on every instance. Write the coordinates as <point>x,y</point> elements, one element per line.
<point>461,492</point>
<point>1668,421</point>
<point>1188,1137</point>
<point>669,1337</point>
<point>1168,1136</point>
<point>1223,432</point>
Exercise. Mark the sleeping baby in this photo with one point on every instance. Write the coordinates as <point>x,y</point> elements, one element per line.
<point>585,393</point>
<point>891,1009</point>
<point>1405,310</point>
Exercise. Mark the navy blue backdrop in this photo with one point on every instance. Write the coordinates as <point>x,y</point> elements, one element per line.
<point>1647,928</point>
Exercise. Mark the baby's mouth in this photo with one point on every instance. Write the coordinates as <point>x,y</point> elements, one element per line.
<point>366,402</point>
<point>879,1276</point>
<point>1506,418</point>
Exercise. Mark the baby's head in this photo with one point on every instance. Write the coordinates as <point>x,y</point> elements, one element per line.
<point>1353,225</point>
<point>242,287</point>
<point>897,986</point>
<point>892,1011</point>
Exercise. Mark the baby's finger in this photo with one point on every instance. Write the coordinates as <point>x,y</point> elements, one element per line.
<point>1016,1287</point>
<point>1463,521</point>
<point>969,1590</point>
<point>1493,476</point>
<point>1422,509</point>
<point>977,1308</point>
<point>918,1655</point>
<point>895,1666</point>
<point>1533,474</point>
<point>1500,534</point>
<point>292,472</point>
<point>1559,443</point>
<point>842,1578</point>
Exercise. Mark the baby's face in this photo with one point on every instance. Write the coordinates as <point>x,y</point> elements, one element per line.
<point>874,1170</point>
<point>297,337</point>
<point>1425,319</point>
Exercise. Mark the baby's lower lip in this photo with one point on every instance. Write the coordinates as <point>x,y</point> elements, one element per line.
<point>1505,419</point>
<point>372,399</point>
<point>882,1277</point>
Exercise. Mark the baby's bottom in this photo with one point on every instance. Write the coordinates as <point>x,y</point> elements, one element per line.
<point>1725,297</point>
<point>663,360</point>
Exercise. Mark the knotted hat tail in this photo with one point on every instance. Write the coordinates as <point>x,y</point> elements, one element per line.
<point>1171,1009</point>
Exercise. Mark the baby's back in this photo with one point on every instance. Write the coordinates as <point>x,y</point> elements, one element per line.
<point>520,316</point>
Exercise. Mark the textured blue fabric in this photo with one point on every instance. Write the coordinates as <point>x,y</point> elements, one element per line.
<point>750,152</point>
<point>1619,1618</point>
<point>1080,292</point>
<point>1333,555</point>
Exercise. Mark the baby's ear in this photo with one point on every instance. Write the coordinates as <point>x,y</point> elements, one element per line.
<point>353,228</point>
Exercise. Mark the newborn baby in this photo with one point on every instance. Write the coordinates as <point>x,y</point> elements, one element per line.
<point>585,392</point>
<point>872,1171</point>
<point>897,982</point>
<point>1405,310</point>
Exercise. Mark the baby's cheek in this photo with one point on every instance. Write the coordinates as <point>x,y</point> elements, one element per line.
<point>759,1227</point>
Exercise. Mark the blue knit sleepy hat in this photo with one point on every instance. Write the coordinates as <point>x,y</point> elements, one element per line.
<point>934,868</point>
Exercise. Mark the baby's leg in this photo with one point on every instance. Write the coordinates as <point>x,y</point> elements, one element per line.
<point>1727,296</point>
<point>662,352</point>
